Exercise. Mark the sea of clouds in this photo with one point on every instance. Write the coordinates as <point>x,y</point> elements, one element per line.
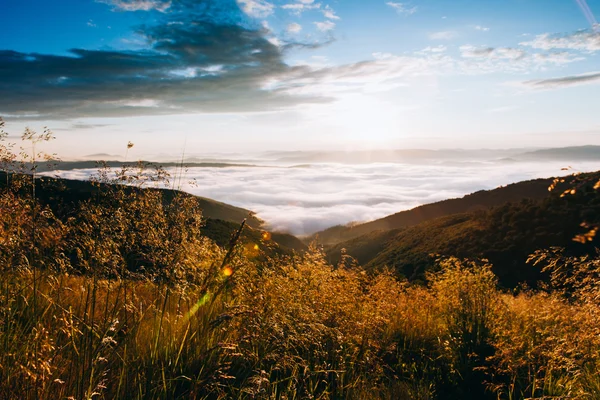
<point>306,199</point>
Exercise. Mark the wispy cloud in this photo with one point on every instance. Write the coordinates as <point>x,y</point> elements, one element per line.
<point>306,200</point>
<point>301,6</point>
<point>182,52</point>
<point>469,51</point>
<point>294,27</point>
<point>565,81</point>
<point>443,35</point>
<point>256,8</point>
<point>329,13</point>
<point>433,50</point>
<point>402,8</point>
<point>482,60</point>
<point>138,5</point>
<point>325,26</point>
<point>587,41</point>
<point>481,28</point>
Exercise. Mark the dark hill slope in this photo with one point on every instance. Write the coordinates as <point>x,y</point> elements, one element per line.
<point>505,235</point>
<point>67,191</point>
<point>533,189</point>
<point>221,220</point>
<point>581,153</point>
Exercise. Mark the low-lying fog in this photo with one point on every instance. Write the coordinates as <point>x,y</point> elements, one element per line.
<point>303,199</point>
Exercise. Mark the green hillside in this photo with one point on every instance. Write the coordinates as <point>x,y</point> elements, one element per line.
<point>220,220</point>
<point>533,189</point>
<point>505,235</point>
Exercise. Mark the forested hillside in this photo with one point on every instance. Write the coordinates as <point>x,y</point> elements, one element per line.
<point>505,235</point>
<point>533,189</point>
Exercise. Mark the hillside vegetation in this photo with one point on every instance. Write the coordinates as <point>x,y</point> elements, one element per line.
<point>122,296</point>
<point>534,189</point>
<point>505,235</point>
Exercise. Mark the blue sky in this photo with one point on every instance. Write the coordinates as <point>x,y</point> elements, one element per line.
<point>253,75</point>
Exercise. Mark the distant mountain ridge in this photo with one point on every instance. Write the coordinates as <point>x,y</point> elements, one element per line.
<point>504,234</point>
<point>533,189</point>
<point>221,219</point>
<point>582,153</point>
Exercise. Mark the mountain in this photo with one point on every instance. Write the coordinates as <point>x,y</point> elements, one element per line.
<point>391,156</point>
<point>580,153</point>
<point>54,165</point>
<point>505,235</point>
<point>533,189</point>
<point>221,219</point>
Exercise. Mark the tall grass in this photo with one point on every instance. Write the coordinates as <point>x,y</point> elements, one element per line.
<point>122,297</point>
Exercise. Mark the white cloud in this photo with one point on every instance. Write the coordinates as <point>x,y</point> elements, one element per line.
<point>294,28</point>
<point>256,8</point>
<point>478,60</point>
<point>329,13</point>
<point>138,5</point>
<point>91,24</point>
<point>481,28</point>
<point>469,51</point>
<point>587,41</point>
<point>385,72</point>
<point>402,8</point>
<point>301,6</point>
<point>325,26</point>
<point>306,200</point>
<point>435,49</point>
<point>562,82</point>
<point>443,35</point>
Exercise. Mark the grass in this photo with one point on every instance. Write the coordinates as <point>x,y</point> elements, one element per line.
<point>124,298</point>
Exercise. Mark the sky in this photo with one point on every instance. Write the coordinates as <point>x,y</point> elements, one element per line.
<point>237,76</point>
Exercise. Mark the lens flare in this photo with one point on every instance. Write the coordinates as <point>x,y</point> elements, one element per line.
<point>203,300</point>
<point>589,15</point>
<point>227,271</point>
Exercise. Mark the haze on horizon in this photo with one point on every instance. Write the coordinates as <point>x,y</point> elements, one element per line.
<point>242,76</point>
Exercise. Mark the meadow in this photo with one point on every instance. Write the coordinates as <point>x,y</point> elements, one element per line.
<point>121,296</point>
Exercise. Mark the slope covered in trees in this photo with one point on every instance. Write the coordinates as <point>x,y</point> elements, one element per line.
<point>533,189</point>
<point>505,235</point>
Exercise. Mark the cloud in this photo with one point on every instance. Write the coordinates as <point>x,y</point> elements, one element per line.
<point>91,24</point>
<point>469,51</point>
<point>205,56</point>
<point>256,8</point>
<point>199,57</point>
<point>382,73</point>
<point>402,8</point>
<point>325,26</point>
<point>481,28</point>
<point>430,50</point>
<point>301,6</point>
<point>294,28</point>
<point>138,5</point>
<point>329,13</point>
<point>587,41</point>
<point>81,125</point>
<point>565,81</point>
<point>478,60</point>
<point>306,200</point>
<point>443,35</point>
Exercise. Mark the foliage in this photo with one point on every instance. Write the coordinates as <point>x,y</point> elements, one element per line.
<point>505,235</point>
<point>121,296</point>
